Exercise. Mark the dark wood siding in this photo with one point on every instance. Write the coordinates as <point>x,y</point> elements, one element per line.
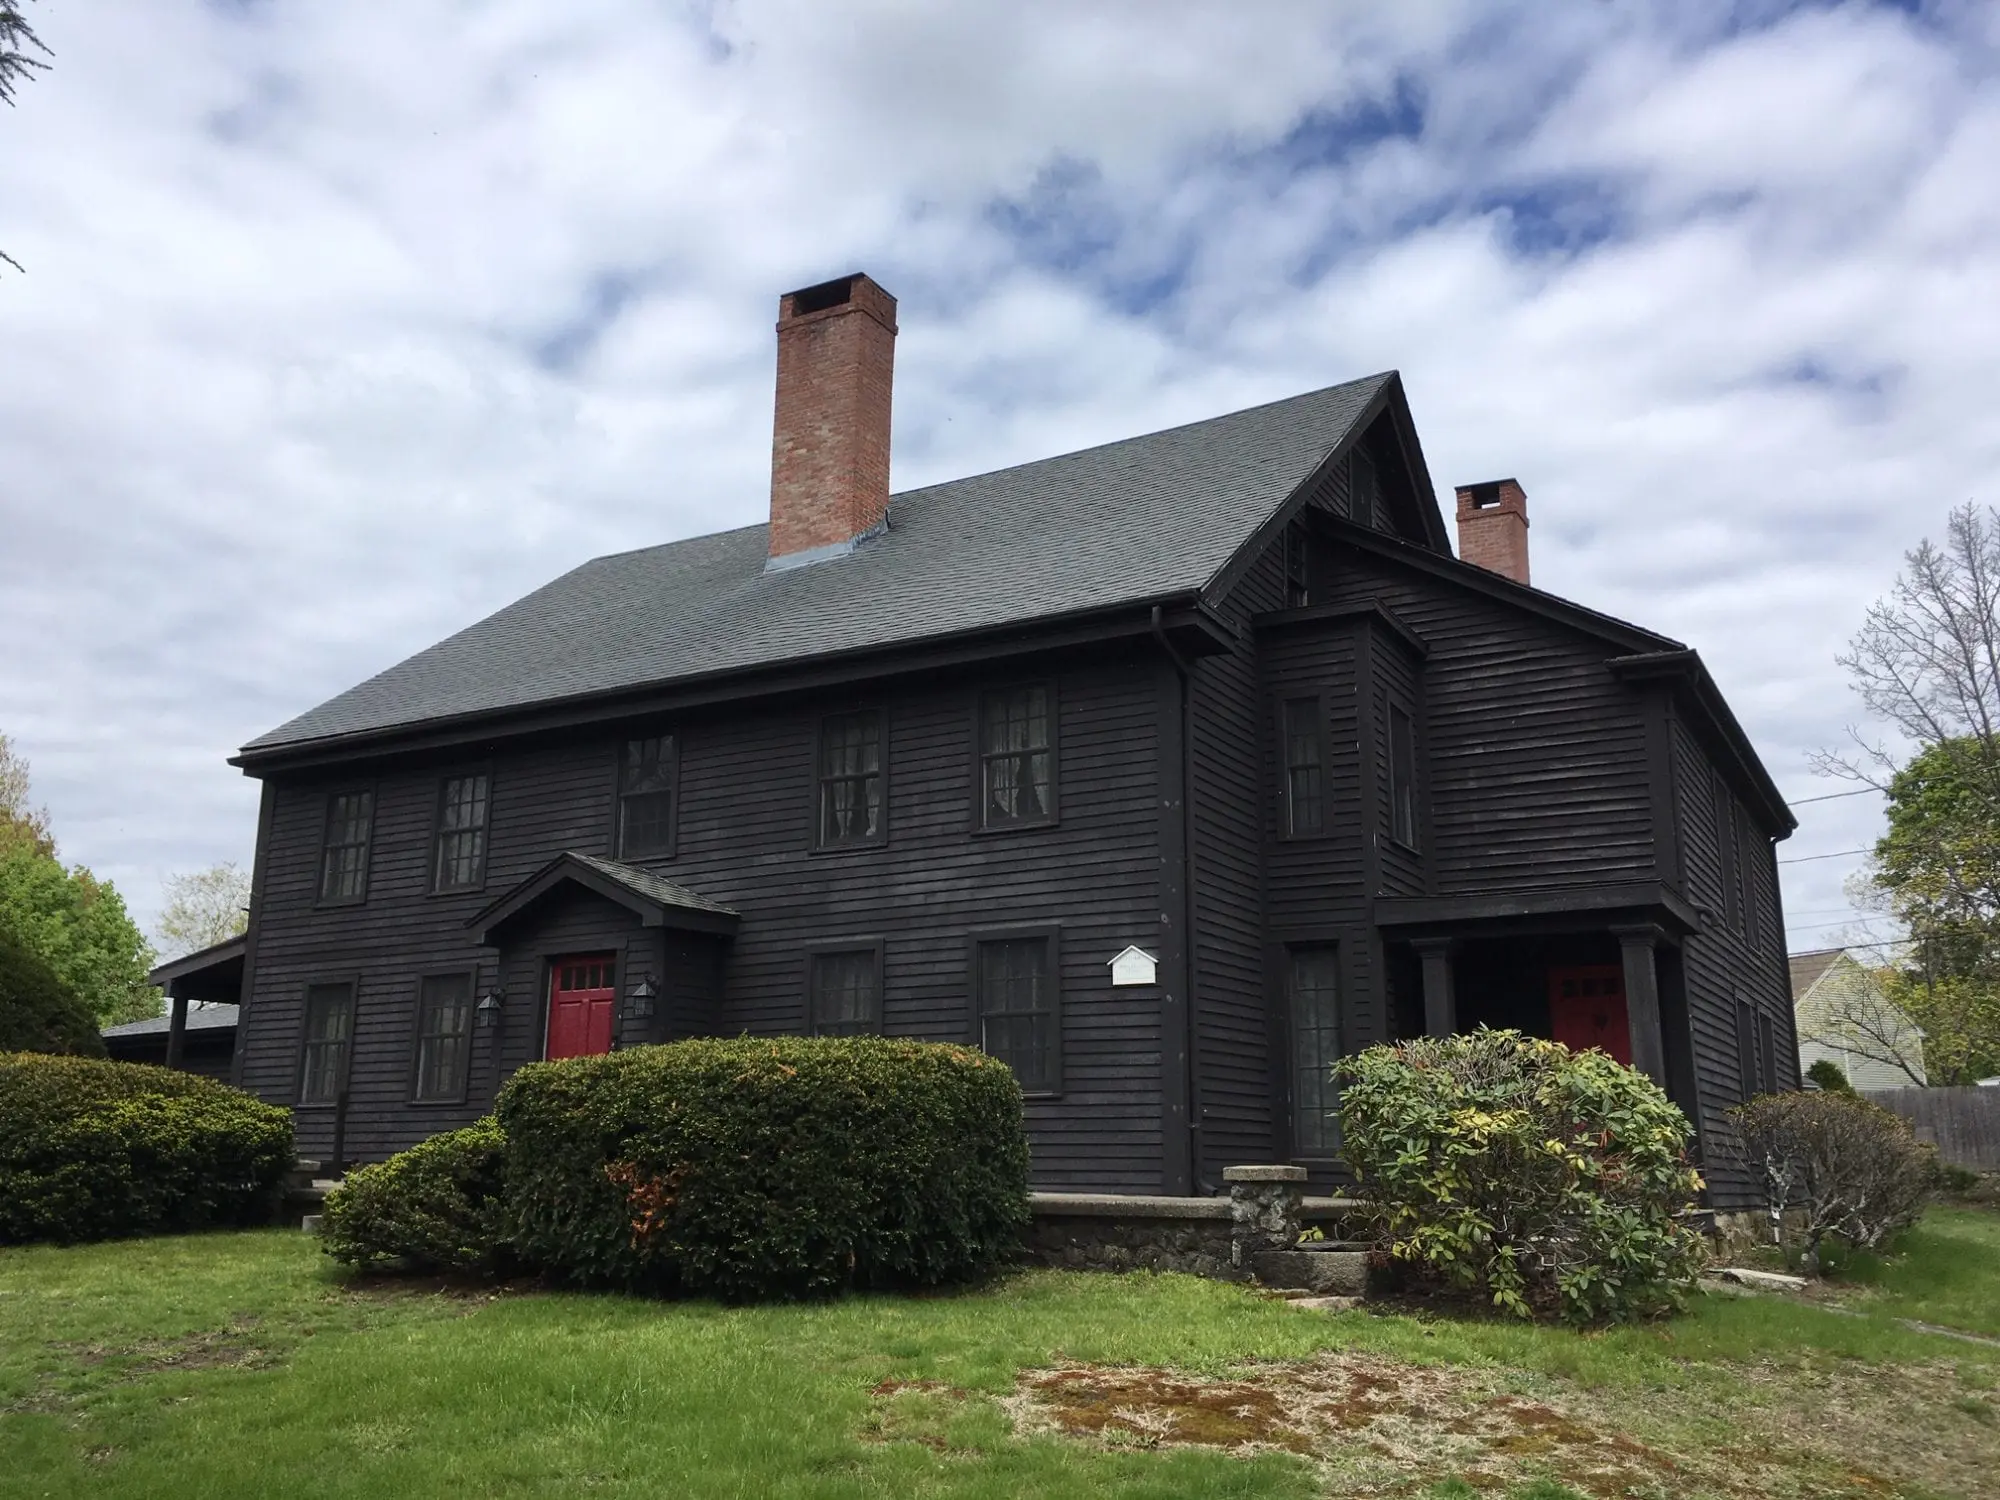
<point>745,838</point>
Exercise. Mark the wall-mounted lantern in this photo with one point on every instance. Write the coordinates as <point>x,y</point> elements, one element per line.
<point>639,999</point>
<point>486,1014</point>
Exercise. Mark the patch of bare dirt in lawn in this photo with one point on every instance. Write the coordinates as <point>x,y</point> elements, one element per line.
<point>1378,1427</point>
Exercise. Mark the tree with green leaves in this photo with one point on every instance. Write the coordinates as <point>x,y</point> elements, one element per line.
<point>18,62</point>
<point>73,922</point>
<point>1927,662</point>
<point>204,908</point>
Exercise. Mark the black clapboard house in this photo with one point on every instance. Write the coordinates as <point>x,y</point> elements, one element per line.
<point>1168,771</point>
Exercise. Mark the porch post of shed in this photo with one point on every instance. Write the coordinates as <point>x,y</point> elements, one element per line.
<point>1440,1000</point>
<point>1636,945</point>
<point>177,1020</point>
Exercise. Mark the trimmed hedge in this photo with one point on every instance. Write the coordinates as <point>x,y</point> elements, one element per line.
<point>38,1012</point>
<point>1548,1181</point>
<point>438,1206</point>
<point>93,1150</point>
<point>750,1169</point>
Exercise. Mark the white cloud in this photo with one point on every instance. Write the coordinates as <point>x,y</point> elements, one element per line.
<point>341,331</point>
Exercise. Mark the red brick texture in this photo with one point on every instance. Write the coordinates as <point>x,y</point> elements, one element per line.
<point>830,442</point>
<point>1493,527</point>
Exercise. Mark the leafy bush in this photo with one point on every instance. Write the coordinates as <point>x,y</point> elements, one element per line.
<point>439,1206</point>
<point>93,1150</point>
<point>1830,1076</point>
<point>1547,1180</point>
<point>38,1012</point>
<point>751,1169</point>
<point>1849,1167</point>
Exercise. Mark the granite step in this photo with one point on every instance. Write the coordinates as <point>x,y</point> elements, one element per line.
<point>1322,1272</point>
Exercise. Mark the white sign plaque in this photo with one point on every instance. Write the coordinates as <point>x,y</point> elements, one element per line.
<point>1135,966</point>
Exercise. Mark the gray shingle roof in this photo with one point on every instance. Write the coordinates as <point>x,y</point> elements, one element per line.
<point>1146,519</point>
<point>645,883</point>
<point>200,1018</point>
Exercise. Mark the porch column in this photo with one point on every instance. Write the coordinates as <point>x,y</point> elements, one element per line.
<point>1636,946</point>
<point>177,1022</point>
<point>1440,1002</point>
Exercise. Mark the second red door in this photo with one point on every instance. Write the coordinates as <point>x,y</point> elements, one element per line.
<point>583,997</point>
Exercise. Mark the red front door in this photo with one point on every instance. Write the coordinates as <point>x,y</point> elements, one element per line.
<point>582,996</point>
<point>1587,1009</point>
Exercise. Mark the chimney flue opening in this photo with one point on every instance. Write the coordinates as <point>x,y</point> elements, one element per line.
<point>819,298</point>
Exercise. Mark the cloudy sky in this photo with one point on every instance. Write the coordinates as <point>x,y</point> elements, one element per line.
<point>344,325</point>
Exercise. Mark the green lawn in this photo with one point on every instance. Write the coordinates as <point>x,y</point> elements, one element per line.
<point>245,1365</point>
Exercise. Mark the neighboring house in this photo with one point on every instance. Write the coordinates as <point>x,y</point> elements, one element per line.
<point>1843,1015</point>
<point>937,765</point>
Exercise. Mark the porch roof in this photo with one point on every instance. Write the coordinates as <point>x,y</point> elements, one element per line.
<point>1597,905</point>
<point>214,973</point>
<point>656,901</point>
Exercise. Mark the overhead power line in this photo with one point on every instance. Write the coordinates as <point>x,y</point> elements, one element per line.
<point>1809,858</point>
<point>1860,791</point>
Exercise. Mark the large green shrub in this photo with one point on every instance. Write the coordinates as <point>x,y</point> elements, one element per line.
<point>93,1150</point>
<point>1552,1182</point>
<point>38,1012</point>
<point>1845,1165</point>
<point>438,1206</point>
<point>749,1169</point>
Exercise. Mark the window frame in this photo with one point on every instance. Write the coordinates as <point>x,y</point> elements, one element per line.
<point>1728,853</point>
<point>838,947</point>
<point>417,1097</point>
<point>819,779</point>
<point>1297,564</point>
<point>1288,955</point>
<point>672,743</point>
<point>1049,934</point>
<point>980,698</point>
<point>1374,513</point>
<point>1403,782</point>
<point>326,844</point>
<point>438,831</point>
<point>1767,1051</point>
<point>1288,831</point>
<point>1748,1072</point>
<point>352,984</point>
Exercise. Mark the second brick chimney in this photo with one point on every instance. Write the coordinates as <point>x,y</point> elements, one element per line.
<point>830,440</point>
<point>1493,527</point>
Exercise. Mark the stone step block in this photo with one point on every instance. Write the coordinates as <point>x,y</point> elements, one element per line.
<point>1341,1273</point>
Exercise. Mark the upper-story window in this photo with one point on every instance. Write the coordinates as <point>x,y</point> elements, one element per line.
<point>850,779</point>
<point>1017,765</point>
<point>1728,853</point>
<point>343,867</point>
<point>1364,491</point>
<point>1298,590</point>
<point>459,863</point>
<point>646,786</point>
<point>1402,777</point>
<point>846,992</point>
<point>1305,769</point>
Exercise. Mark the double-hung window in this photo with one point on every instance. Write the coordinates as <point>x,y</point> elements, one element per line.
<point>444,1037</point>
<point>1312,994</point>
<point>329,1039</point>
<point>846,986</point>
<point>1748,1071</point>
<point>1402,778</point>
<point>1298,576</point>
<point>1305,769</point>
<point>459,862</point>
<point>1017,764</point>
<point>343,869</point>
<point>850,779</point>
<point>1015,993</point>
<point>646,777</point>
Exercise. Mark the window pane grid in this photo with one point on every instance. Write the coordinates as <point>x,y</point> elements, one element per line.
<point>646,796</point>
<point>1015,762</point>
<point>344,872</point>
<point>1313,987</point>
<point>846,993</point>
<point>461,856</point>
<point>1017,1017</point>
<point>1402,778</point>
<point>444,1036</point>
<point>850,778</point>
<point>1305,800</point>
<point>329,1032</point>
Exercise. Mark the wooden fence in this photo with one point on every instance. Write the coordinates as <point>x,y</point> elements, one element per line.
<point>1964,1122</point>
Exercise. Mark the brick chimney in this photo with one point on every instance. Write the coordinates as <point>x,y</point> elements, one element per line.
<point>830,442</point>
<point>1493,527</point>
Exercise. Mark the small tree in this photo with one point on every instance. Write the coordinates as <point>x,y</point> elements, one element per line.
<point>1849,1167</point>
<point>204,908</point>
<point>1829,1075</point>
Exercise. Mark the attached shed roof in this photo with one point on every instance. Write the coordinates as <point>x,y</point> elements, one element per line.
<point>1147,519</point>
<point>199,1018</point>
